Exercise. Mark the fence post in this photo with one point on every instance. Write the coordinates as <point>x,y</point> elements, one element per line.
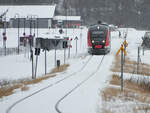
<point>138,60</point>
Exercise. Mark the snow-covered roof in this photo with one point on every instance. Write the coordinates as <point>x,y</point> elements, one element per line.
<point>27,10</point>
<point>77,18</point>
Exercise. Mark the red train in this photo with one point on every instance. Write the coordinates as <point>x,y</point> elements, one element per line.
<point>99,39</point>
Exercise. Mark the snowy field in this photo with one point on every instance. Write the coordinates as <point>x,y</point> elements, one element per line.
<point>86,98</point>
<point>20,66</point>
<point>127,102</point>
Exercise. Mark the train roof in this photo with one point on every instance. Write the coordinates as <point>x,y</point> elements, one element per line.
<point>99,25</point>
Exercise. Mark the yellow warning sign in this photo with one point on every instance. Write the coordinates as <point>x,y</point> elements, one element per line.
<point>125,43</point>
<point>121,49</point>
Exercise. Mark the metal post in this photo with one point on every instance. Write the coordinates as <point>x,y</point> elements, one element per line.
<point>124,56</point>
<point>76,46</point>
<point>37,26</point>
<point>18,35</point>
<point>122,69</point>
<point>65,56</point>
<point>5,46</point>
<point>66,15</point>
<point>45,63</point>
<point>143,51</point>
<point>24,25</point>
<point>32,63</point>
<point>55,56</point>
<point>69,52</point>
<point>36,65</point>
<point>4,41</point>
<point>30,26</point>
<point>81,38</point>
<point>34,27</point>
<point>138,60</point>
<point>25,49</point>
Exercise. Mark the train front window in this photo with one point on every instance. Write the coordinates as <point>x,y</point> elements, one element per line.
<point>98,34</point>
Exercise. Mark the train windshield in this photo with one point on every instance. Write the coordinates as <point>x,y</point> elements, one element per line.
<point>98,33</point>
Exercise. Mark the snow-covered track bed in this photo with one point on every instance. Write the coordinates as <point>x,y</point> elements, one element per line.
<point>90,75</point>
<point>9,109</point>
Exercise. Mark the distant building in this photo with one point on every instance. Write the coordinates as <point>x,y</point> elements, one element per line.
<point>66,21</point>
<point>30,15</point>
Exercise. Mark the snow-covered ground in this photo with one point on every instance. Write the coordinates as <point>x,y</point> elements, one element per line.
<point>122,102</point>
<point>20,66</point>
<point>86,98</point>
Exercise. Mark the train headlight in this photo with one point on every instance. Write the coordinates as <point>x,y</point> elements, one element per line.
<point>103,41</point>
<point>92,41</point>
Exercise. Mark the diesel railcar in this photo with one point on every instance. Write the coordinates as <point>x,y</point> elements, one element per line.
<point>99,39</point>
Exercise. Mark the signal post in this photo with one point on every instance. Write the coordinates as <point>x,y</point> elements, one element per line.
<point>123,53</point>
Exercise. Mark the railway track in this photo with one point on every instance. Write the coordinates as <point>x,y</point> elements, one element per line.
<point>50,85</point>
<point>77,86</point>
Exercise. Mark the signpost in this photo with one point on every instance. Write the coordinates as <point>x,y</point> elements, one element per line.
<point>4,41</point>
<point>69,46</point>
<point>49,44</point>
<point>4,23</point>
<point>37,52</point>
<point>122,49</point>
<point>31,58</point>
<point>65,45</point>
<point>81,37</point>
<point>45,63</point>
<point>76,38</point>
<point>125,45</point>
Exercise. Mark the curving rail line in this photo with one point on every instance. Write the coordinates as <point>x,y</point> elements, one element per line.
<point>77,86</point>
<point>17,102</point>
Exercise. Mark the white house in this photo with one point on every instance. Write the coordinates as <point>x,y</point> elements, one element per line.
<point>28,14</point>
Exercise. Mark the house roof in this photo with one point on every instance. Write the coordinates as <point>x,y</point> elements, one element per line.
<point>77,18</point>
<point>28,10</point>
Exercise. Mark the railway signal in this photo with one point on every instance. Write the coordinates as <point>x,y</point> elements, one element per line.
<point>37,52</point>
